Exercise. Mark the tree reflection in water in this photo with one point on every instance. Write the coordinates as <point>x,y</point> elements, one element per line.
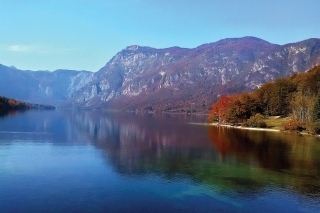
<point>224,159</point>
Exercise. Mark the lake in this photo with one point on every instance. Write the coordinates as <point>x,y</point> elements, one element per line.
<point>92,161</point>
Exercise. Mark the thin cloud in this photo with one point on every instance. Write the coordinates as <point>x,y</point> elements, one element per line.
<point>22,48</point>
<point>34,48</point>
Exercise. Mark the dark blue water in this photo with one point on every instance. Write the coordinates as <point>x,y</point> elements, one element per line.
<point>64,161</point>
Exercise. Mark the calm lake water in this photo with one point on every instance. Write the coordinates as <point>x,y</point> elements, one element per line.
<point>68,161</point>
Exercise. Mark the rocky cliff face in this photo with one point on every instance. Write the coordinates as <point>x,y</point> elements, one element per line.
<point>41,87</point>
<point>178,80</point>
<point>172,79</point>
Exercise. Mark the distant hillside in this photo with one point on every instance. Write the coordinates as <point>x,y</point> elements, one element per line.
<point>180,80</point>
<point>44,87</point>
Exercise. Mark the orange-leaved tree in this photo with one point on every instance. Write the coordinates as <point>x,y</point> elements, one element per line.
<point>219,109</point>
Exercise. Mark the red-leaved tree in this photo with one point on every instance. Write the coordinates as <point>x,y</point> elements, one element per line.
<point>219,109</point>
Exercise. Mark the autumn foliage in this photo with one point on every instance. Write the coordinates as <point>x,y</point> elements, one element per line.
<point>11,104</point>
<point>297,96</point>
<point>7,105</point>
<point>219,110</point>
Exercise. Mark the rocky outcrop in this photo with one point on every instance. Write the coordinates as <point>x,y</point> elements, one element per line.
<point>179,80</point>
<point>173,79</point>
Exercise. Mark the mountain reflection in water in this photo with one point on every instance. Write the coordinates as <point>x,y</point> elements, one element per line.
<point>225,158</point>
<point>151,163</point>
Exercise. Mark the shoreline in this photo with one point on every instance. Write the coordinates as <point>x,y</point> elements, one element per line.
<point>253,128</point>
<point>237,127</point>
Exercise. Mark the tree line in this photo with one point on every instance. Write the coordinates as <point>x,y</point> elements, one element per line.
<point>11,104</point>
<point>296,97</point>
<point>7,104</point>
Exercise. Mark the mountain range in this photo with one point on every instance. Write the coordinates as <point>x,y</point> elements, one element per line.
<point>44,87</point>
<point>173,79</point>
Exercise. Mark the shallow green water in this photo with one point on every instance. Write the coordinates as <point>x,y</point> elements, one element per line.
<point>68,161</point>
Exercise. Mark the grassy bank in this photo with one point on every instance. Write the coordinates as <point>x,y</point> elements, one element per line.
<point>275,122</point>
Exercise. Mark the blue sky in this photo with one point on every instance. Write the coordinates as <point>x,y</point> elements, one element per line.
<point>85,34</point>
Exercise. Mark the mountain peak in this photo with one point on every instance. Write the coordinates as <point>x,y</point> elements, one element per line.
<point>141,77</point>
<point>242,43</point>
<point>247,40</point>
<point>132,47</point>
<point>136,48</point>
<point>172,79</point>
